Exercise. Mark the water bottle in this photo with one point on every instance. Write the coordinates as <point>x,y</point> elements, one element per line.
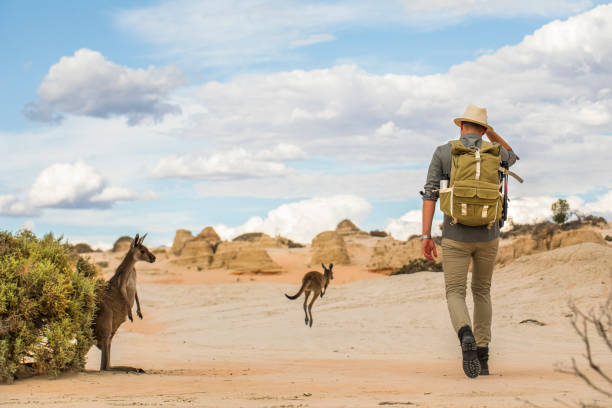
<point>444,180</point>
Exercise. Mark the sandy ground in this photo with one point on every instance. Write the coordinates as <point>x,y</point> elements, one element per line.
<point>209,341</point>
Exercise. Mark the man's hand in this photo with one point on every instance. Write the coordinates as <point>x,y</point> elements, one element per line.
<point>429,247</point>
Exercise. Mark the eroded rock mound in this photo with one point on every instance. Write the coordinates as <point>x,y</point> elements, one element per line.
<point>347,227</point>
<point>82,248</point>
<point>329,247</point>
<point>391,254</point>
<point>209,234</point>
<point>546,240</point>
<point>568,238</point>
<point>180,238</point>
<point>244,257</point>
<point>261,239</point>
<point>122,244</point>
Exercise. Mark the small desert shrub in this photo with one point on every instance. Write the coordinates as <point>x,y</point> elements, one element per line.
<point>290,243</point>
<point>47,304</point>
<point>418,265</point>
<point>560,210</point>
<point>608,237</point>
<point>248,236</point>
<point>378,233</point>
<point>102,264</point>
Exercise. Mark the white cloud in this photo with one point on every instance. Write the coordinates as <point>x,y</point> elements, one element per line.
<point>209,33</point>
<point>453,10</point>
<point>28,225</point>
<point>74,185</point>
<point>302,220</point>
<point>603,205</point>
<point>237,163</point>
<point>406,225</point>
<point>549,96</point>
<point>313,39</point>
<point>88,84</point>
<point>527,210</point>
<point>112,194</point>
<point>383,185</point>
<point>531,209</point>
<point>11,206</point>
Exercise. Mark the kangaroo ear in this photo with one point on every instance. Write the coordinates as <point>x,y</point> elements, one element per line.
<point>135,241</point>
<point>143,237</point>
<point>323,266</point>
<point>331,266</point>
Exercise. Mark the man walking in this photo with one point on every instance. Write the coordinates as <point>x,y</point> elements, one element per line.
<point>471,227</point>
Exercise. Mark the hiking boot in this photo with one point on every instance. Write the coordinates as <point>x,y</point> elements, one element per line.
<point>483,359</point>
<point>471,365</point>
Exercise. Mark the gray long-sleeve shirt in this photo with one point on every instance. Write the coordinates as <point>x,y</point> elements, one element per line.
<point>441,164</point>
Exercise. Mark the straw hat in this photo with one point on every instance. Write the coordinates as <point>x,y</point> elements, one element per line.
<point>474,114</point>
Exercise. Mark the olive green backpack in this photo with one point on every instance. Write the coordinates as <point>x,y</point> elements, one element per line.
<point>473,195</point>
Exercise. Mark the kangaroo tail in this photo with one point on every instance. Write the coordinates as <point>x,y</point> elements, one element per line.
<point>297,295</point>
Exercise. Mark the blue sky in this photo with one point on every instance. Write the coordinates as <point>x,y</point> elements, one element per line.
<point>121,117</point>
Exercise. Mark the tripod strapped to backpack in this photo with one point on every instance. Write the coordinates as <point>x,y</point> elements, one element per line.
<point>504,172</point>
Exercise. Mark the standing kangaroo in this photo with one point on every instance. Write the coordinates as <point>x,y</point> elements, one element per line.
<point>315,282</point>
<point>118,299</point>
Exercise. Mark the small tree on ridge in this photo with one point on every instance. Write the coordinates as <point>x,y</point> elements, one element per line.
<point>560,210</point>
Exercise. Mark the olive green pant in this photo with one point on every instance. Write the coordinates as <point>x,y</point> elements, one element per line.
<point>456,262</point>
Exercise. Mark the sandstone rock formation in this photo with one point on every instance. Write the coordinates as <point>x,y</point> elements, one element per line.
<point>535,243</point>
<point>261,239</point>
<point>391,254</point>
<point>347,227</point>
<point>180,238</point>
<point>244,257</point>
<point>209,234</point>
<point>122,244</point>
<point>568,238</point>
<point>329,247</point>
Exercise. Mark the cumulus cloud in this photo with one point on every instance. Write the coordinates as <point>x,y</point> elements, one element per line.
<point>406,225</point>
<point>302,220</point>
<point>383,185</point>
<point>549,96</point>
<point>88,84</point>
<point>74,185</point>
<point>11,206</point>
<point>234,164</point>
<point>525,210</point>
<point>245,31</point>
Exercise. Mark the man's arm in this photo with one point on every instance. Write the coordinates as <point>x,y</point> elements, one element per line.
<point>430,195</point>
<point>495,137</point>
<point>427,245</point>
<point>507,152</point>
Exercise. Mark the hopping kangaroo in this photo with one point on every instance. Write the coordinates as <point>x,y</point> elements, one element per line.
<point>315,282</point>
<point>118,299</point>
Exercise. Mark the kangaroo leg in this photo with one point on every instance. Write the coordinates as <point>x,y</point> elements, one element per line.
<point>138,312</point>
<point>310,307</point>
<point>305,303</point>
<point>127,303</point>
<point>105,362</point>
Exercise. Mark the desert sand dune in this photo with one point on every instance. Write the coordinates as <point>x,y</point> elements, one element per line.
<point>377,342</point>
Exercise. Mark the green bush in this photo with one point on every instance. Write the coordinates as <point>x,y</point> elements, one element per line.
<point>418,265</point>
<point>47,304</point>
